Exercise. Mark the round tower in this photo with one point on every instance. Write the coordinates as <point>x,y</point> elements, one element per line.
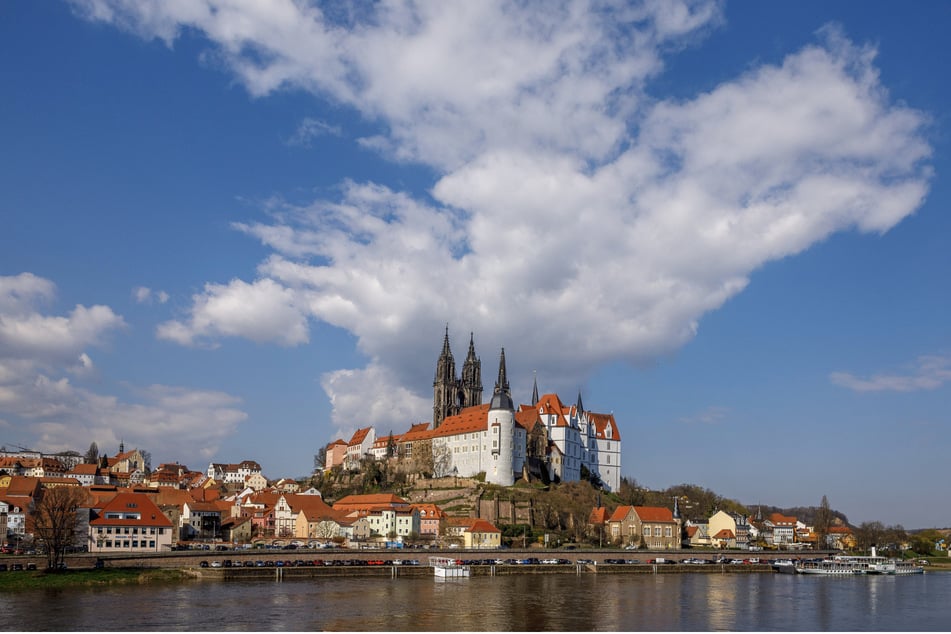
<point>501,427</point>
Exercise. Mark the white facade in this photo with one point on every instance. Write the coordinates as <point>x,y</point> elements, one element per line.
<point>500,468</point>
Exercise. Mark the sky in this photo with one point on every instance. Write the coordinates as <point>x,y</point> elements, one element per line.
<point>238,229</point>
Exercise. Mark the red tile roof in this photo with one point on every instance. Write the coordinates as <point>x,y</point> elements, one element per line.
<point>140,503</point>
<point>482,526</point>
<point>654,514</point>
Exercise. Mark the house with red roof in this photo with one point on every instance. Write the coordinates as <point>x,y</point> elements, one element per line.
<point>336,454</point>
<point>430,518</point>
<point>481,535</point>
<point>782,528</point>
<point>388,515</point>
<point>359,446</point>
<point>651,527</point>
<point>129,522</point>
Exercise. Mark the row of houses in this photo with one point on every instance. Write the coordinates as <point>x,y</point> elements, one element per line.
<point>662,528</point>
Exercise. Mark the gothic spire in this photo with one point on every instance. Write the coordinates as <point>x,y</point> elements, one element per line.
<point>579,406</point>
<point>502,398</point>
<point>535,391</point>
<point>503,383</point>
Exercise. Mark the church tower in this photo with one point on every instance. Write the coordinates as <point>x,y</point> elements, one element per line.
<point>472,377</point>
<point>451,394</point>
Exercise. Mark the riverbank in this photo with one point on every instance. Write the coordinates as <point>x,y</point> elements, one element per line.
<point>12,581</point>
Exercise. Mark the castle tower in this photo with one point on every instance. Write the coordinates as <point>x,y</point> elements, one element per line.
<point>501,425</point>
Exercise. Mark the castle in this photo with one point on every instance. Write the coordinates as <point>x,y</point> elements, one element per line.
<point>547,439</point>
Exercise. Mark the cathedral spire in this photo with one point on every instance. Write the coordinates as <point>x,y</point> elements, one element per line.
<point>579,406</point>
<point>503,383</point>
<point>535,390</point>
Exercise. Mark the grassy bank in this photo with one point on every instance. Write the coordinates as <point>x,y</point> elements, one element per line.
<point>11,581</point>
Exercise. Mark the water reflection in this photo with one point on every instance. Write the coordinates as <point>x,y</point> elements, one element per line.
<point>671,602</point>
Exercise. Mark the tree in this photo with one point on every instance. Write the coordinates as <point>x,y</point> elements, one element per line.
<point>823,522</point>
<point>390,446</point>
<point>147,461</point>
<point>92,454</point>
<point>320,459</point>
<point>55,521</point>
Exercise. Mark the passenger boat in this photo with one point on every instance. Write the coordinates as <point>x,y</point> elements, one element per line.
<point>875,565</point>
<point>833,567</point>
<point>448,568</point>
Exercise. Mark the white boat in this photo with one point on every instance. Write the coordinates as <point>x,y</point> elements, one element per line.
<point>832,567</point>
<point>875,565</point>
<point>448,568</point>
<point>784,566</point>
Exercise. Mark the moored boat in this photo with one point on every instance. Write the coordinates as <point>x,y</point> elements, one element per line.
<point>448,568</point>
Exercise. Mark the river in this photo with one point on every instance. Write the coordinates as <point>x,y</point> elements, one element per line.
<point>591,602</point>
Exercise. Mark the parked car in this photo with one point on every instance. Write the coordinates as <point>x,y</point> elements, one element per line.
<point>203,564</point>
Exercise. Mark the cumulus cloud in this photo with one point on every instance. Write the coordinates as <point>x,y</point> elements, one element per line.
<point>145,295</point>
<point>260,311</point>
<point>927,373</point>
<point>574,219</point>
<point>40,357</point>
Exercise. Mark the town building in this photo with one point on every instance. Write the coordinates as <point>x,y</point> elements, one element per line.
<point>129,522</point>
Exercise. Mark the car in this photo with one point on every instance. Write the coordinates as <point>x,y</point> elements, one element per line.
<point>549,561</point>
<point>216,564</point>
<point>3,567</point>
<point>16,566</point>
<point>587,562</point>
<point>203,564</point>
<point>631,547</point>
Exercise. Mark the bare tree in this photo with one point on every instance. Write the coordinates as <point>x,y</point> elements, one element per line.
<point>92,454</point>
<point>823,522</point>
<point>55,521</point>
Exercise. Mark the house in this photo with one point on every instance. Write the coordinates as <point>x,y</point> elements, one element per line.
<point>385,447</point>
<point>387,514</point>
<point>696,535</point>
<point>86,474</point>
<point>129,522</point>
<point>783,528</point>
<point>650,526</point>
<point>840,538</point>
<point>256,482</point>
<point>200,520</point>
<point>430,518</point>
<point>229,473</point>
<point>236,530</point>
<point>359,446</point>
<point>735,524</point>
<point>336,454</point>
<point>481,535</point>
<point>597,522</point>
<point>286,485</point>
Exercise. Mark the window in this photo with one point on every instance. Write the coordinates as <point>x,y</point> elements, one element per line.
<point>667,532</point>
<point>647,531</point>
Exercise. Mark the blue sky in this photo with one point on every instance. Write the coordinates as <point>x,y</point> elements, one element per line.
<point>237,230</point>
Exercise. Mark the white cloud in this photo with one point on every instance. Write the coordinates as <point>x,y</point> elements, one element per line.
<point>928,373</point>
<point>27,334</point>
<point>392,402</point>
<point>50,412</point>
<point>310,129</point>
<point>575,218</point>
<point>261,311</point>
<point>145,295</point>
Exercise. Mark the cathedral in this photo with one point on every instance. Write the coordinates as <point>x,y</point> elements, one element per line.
<point>452,394</point>
<point>546,439</point>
